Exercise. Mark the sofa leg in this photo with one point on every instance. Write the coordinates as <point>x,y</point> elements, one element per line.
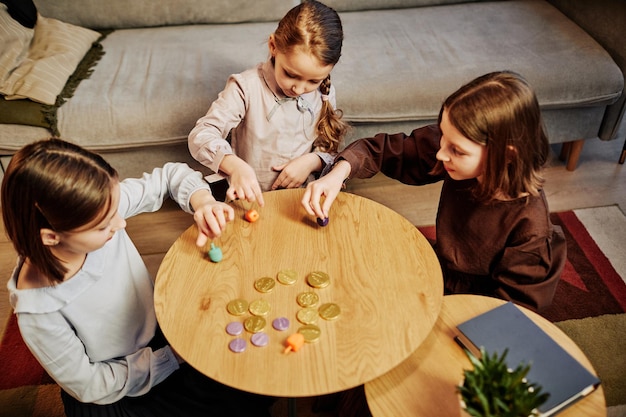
<point>623,155</point>
<point>576,148</point>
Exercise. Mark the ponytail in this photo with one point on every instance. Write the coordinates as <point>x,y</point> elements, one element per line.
<point>331,129</point>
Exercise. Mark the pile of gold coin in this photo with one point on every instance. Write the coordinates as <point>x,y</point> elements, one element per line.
<point>308,315</point>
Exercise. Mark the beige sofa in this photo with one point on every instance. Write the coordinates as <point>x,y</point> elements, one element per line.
<point>165,62</point>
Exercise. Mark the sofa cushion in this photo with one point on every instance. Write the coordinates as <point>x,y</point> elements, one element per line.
<point>153,84</point>
<point>54,53</point>
<point>32,113</point>
<point>116,14</point>
<point>15,40</point>
<point>400,65</point>
<point>357,5</point>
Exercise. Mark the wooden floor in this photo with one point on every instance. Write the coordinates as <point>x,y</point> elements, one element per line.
<point>598,181</point>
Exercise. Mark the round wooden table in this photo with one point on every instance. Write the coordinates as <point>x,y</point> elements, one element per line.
<point>425,383</point>
<point>384,276</point>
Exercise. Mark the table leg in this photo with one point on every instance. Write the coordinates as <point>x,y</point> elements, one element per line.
<point>291,407</point>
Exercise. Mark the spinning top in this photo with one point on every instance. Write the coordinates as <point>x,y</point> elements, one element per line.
<point>252,215</point>
<point>322,222</point>
<point>215,253</point>
<point>294,342</point>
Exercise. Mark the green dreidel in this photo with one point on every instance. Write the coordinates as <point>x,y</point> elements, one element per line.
<point>215,253</point>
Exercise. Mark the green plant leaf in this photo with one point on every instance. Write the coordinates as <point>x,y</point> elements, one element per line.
<point>493,389</point>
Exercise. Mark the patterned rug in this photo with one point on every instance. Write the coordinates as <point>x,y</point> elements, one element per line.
<point>592,286</point>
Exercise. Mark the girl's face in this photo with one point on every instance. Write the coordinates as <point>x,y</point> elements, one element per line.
<point>462,158</point>
<point>297,72</point>
<point>94,235</point>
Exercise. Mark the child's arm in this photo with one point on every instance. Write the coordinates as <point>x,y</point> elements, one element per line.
<point>295,172</point>
<point>207,141</point>
<point>328,186</point>
<point>54,343</point>
<point>529,271</point>
<point>183,185</point>
<point>210,215</point>
<point>147,194</point>
<point>407,158</point>
<point>244,184</point>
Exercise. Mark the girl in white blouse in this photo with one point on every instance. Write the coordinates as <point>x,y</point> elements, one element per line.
<point>82,294</point>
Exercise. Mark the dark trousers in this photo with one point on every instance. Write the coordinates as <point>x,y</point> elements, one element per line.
<point>185,393</point>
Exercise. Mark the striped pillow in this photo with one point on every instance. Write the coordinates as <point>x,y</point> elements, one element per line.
<point>54,53</point>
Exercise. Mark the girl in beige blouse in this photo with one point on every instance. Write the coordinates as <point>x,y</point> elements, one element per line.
<point>280,115</point>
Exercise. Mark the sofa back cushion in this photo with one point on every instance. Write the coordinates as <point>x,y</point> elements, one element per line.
<point>356,5</point>
<point>400,65</point>
<point>118,14</point>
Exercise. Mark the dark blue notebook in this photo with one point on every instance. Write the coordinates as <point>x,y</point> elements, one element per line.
<point>558,373</point>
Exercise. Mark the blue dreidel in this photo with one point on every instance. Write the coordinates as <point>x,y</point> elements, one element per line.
<point>215,253</point>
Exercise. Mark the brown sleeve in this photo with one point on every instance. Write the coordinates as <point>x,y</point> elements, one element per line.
<point>406,158</point>
<point>529,273</point>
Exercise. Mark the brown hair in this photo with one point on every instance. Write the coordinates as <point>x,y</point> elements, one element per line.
<point>318,28</point>
<point>57,185</point>
<point>500,110</point>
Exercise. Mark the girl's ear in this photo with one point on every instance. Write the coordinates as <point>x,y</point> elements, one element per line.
<point>271,43</point>
<point>49,237</point>
<point>511,153</point>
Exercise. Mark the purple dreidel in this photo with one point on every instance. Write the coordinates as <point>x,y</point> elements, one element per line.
<point>322,222</point>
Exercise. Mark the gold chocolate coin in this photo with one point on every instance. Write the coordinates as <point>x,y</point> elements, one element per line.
<point>307,315</point>
<point>237,307</point>
<point>307,299</point>
<point>310,332</point>
<point>318,279</point>
<point>265,284</point>
<point>329,311</point>
<point>259,307</point>
<point>287,276</point>
<point>254,324</point>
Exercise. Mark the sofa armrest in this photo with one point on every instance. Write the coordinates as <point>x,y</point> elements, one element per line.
<point>604,21</point>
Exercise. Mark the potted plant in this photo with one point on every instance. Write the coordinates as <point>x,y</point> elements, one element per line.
<point>492,389</point>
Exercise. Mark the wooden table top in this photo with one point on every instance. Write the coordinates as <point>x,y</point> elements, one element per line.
<point>384,276</point>
<point>425,383</point>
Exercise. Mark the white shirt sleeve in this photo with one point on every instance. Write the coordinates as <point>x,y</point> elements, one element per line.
<point>62,354</point>
<point>147,194</point>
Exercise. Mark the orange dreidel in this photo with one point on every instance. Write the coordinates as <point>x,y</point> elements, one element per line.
<point>252,215</point>
<point>294,342</point>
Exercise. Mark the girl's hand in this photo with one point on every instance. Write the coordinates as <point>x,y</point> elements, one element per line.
<point>328,186</point>
<point>210,215</point>
<point>244,184</point>
<point>295,172</point>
